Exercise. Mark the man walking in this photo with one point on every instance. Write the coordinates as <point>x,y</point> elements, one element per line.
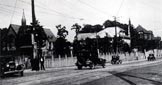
<point>42,63</point>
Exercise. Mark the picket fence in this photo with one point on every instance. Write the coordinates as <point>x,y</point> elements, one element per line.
<point>70,61</point>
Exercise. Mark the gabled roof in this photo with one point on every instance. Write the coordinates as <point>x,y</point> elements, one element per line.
<point>15,27</point>
<point>50,35</point>
<point>104,32</point>
<point>48,32</point>
<point>139,28</point>
<point>111,31</point>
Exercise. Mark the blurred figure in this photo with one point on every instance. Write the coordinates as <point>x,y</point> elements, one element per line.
<point>42,63</point>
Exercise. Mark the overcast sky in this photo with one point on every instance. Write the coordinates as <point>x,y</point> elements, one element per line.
<point>67,12</point>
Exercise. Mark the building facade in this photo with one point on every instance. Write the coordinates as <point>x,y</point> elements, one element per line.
<point>144,34</point>
<point>18,39</point>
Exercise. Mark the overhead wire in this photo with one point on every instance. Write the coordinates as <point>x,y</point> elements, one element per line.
<point>51,10</point>
<point>94,8</point>
<point>9,6</point>
<point>120,7</point>
<point>13,12</point>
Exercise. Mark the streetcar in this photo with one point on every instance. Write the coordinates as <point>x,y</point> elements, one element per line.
<point>87,56</point>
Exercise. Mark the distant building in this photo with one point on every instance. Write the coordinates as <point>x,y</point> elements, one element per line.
<point>144,34</point>
<point>120,33</point>
<point>49,42</point>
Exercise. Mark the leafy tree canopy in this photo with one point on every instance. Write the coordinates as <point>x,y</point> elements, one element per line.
<point>91,28</point>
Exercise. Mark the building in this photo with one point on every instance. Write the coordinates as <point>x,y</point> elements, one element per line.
<point>18,39</point>
<point>9,41</point>
<point>49,48</point>
<point>143,33</point>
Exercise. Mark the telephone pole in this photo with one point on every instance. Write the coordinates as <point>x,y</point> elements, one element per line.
<point>33,14</point>
<point>0,42</point>
<point>115,37</point>
<point>115,26</point>
<point>33,29</point>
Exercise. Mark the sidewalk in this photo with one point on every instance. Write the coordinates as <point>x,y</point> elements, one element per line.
<point>73,66</point>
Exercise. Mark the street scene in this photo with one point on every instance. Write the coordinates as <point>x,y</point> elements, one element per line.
<point>80,42</point>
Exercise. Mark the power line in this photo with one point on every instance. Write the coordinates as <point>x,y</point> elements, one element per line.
<point>148,5</point>
<point>13,12</point>
<point>94,8</point>
<point>120,7</point>
<point>52,10</point>
<point>9,6</point>
<point>9,11</point>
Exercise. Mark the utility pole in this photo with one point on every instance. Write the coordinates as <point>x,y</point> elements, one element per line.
<point>115,26</point>
<point>115,37</point>
<point>33,14</point>
<point>33,29</point>
<point>129,31</point>
<point>0,42</point>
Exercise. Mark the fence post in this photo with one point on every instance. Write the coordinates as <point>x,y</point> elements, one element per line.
<point>59,60</point>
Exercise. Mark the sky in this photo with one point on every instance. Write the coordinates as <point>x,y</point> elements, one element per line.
<point>68,12</point>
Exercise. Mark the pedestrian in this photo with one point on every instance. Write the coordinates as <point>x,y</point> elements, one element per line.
<point>42,63</point>
<point>37,64</point>
<point>32,63</point>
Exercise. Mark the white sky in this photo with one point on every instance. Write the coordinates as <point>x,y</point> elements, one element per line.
<point>67,12</point>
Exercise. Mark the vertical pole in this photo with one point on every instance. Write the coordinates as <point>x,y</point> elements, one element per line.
<point>33,14</point>
<point>0,41</point>
<point>129,31</point>
<point>97,45</point>
<point>115,27</point>
<point>115,38</point>
<point>33,28</point>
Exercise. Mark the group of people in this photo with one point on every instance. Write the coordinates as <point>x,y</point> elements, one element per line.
<point>37,64</point>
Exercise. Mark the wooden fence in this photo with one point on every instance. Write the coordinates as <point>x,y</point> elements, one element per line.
<point>70,61</point>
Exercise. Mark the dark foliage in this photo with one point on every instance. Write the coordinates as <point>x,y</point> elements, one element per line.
<point>109,23</point>
<point>91,28</point>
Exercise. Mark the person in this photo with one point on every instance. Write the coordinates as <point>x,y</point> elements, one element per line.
<point>42,63</point>
<point>37,64</point>
<point>32,63</point>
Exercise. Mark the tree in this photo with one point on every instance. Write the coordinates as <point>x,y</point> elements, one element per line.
<point>97,28</point>
<point>77,28</point>
<point>91,28</point>
<point>86,29</point>
<point>62,32</point>
<point>61,42</point>
<point>109,23</point>
<point>40,36</point>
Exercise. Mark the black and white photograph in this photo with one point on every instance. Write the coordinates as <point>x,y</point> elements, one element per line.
<point>80,42</point>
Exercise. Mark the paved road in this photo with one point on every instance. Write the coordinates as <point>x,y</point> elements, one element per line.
<point>134,73</point>
<point>150,75</point>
